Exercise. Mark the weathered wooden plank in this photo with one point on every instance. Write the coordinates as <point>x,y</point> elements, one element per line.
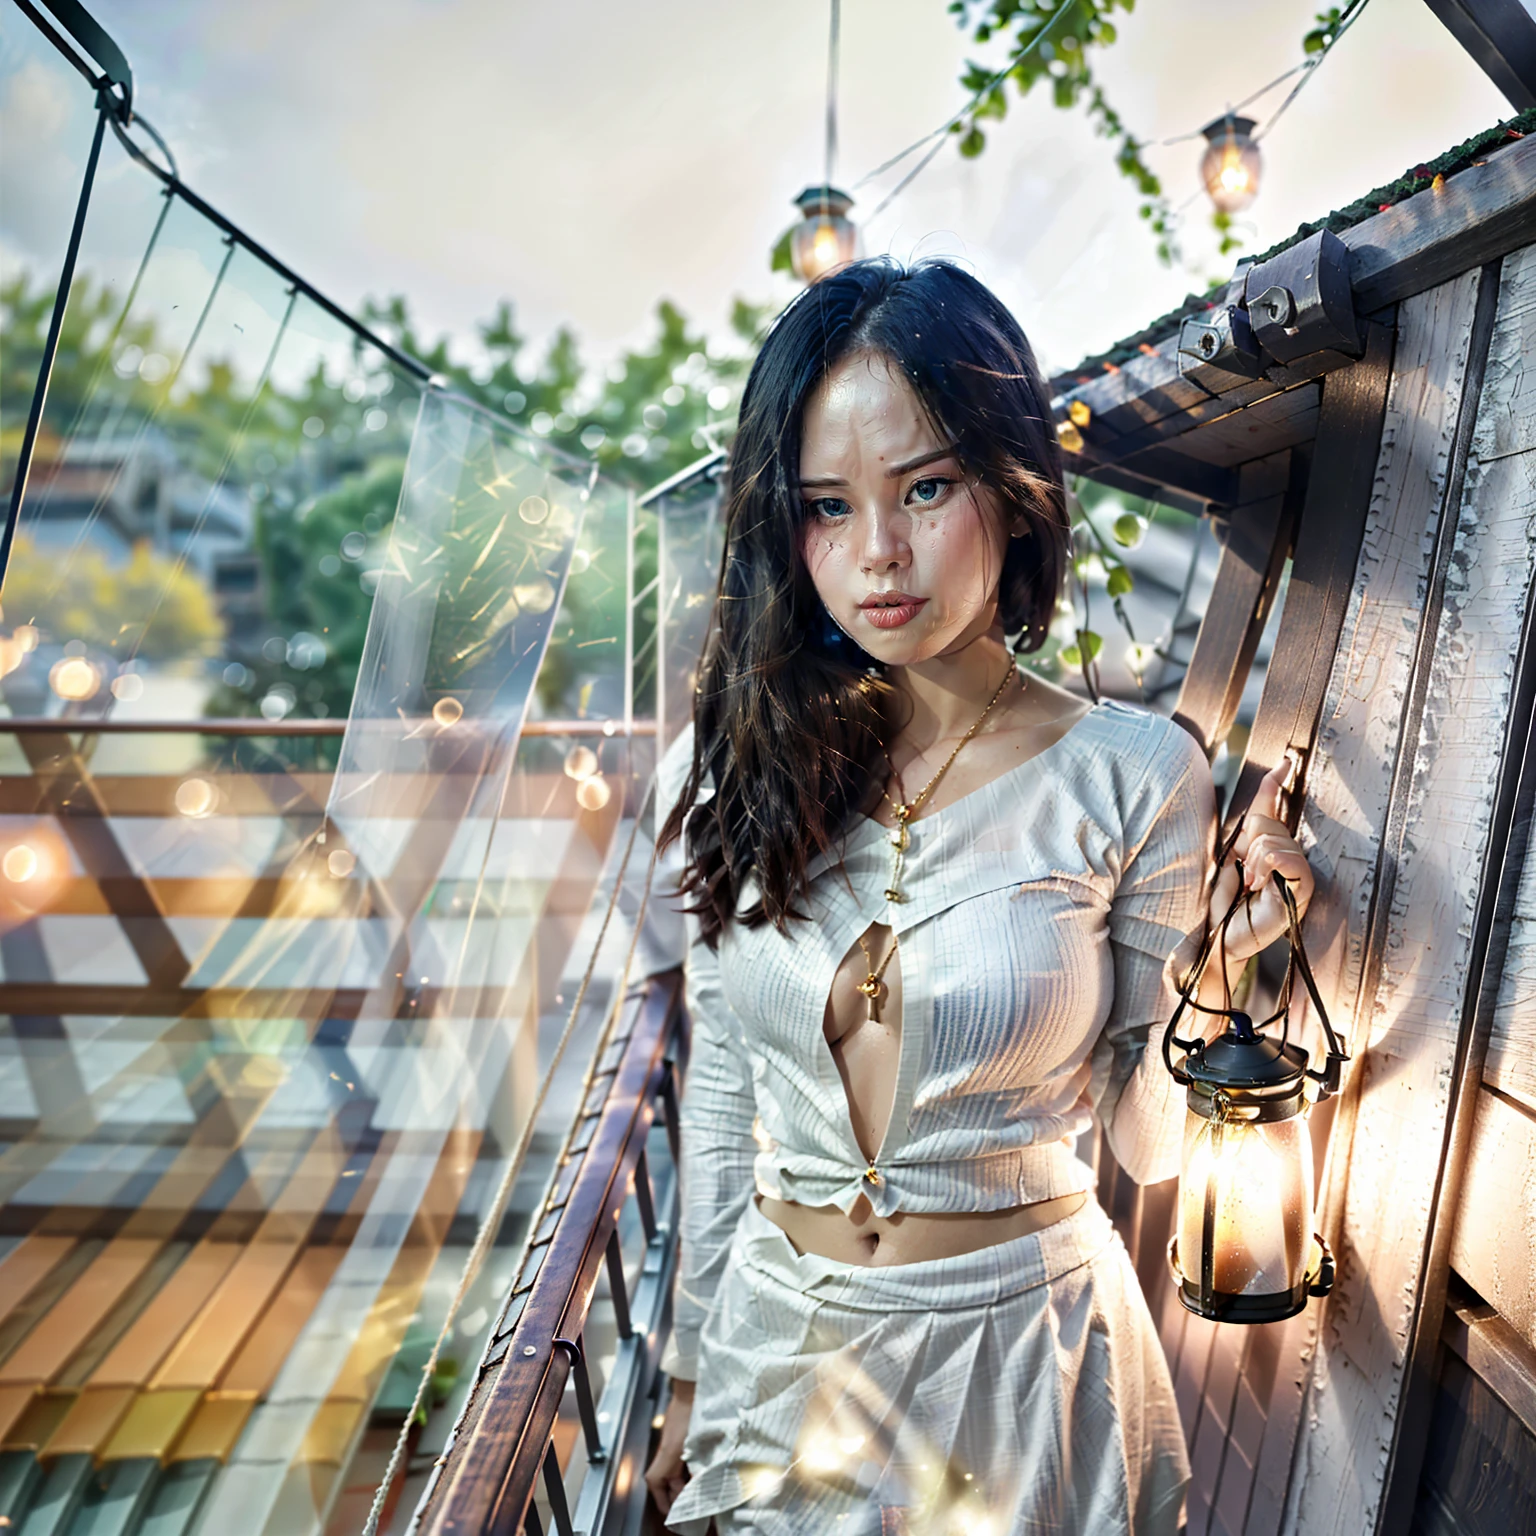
<point>1510,817</point>
<point>1409,1024</point>
<point>1349,778</point>
<point>1258,539</point>
<point>1511,1062</point>
<point>1494,1245</point>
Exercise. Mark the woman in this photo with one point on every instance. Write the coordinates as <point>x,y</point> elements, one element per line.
<point>938,913</point>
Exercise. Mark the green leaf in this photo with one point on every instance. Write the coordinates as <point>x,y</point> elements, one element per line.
<point>1128,529</point>
<point>1314,42</point>
<point>780,260</point>
<point>1090,642</point>
<point>1070,656</point>
<point>1120,582</point>
<point>973,143</point>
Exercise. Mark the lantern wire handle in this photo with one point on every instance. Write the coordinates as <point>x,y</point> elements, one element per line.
<point>1296,961</point>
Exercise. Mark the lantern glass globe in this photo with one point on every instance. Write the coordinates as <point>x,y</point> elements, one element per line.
<point>825,238</point>
<point>1231,167</point>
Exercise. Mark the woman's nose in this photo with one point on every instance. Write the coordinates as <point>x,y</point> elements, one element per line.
<point>885,545</point>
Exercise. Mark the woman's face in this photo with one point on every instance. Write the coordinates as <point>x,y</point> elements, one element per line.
<point>904,550</point>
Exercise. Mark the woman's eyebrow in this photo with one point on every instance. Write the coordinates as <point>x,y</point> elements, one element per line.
<point>895,472</point>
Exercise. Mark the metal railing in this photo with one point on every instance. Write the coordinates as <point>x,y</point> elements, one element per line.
<point>507,1466</point>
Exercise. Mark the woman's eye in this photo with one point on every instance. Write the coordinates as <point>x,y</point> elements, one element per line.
<point>929,491</point>
<point>830,509</point>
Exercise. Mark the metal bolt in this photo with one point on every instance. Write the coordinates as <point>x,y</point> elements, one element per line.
<point>530,1349</point>
<point>1279,304</point>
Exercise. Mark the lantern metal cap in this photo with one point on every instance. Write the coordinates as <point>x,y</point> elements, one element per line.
<point>824,201</point>
<point>1237,127</point>
<point>1240,1057</point>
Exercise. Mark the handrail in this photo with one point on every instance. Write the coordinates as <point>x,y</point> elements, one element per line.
<point>241,725</point>
<point>486,1477</point>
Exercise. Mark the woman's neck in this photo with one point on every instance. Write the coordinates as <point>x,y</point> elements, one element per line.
<point>947,693</point>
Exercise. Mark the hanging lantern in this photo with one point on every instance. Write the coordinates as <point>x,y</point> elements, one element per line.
<point>825,238</point>
<point>1243,1250</point>
<point>1230,167</point>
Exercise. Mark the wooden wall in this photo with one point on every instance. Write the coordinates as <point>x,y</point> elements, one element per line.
<point>1309,1427</point>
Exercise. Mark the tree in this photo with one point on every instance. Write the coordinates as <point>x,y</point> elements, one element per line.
<point>151,608</point>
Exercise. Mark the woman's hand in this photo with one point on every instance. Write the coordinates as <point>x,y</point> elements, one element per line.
<point>666,1474</point>
<point>1264,847</point>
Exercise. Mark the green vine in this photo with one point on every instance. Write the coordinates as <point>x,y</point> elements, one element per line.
<point>1062,62</point>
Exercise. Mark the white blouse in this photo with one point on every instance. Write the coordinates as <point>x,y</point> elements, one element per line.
<point>1046,917</point>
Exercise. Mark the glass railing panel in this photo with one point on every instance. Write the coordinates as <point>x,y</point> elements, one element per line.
<point>691,539</point>
<point>294,1017</point>
<point>213,482</point>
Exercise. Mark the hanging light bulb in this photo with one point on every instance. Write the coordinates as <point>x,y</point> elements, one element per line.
<point>1231,167</point>
<point>1244,1250</point>
<point>825,238</point>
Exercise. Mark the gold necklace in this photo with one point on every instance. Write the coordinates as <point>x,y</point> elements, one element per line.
<point>906,812</point>
<point>873,986</point>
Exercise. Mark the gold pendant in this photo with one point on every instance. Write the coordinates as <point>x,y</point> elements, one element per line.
<point>874,989</point>
<point>900,837</point>
<point>892,894</point>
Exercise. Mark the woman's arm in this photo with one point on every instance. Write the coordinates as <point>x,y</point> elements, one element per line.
<point>718,1105</point>
<point>718,1110</point>
<point>1157,924</point>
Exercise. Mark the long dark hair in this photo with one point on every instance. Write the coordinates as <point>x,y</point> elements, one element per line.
<point>788,721</point>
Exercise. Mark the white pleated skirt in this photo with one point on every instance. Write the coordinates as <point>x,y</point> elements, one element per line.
<point>1018,1389</point>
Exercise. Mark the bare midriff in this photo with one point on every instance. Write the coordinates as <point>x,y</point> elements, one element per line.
<point>905,1237</point>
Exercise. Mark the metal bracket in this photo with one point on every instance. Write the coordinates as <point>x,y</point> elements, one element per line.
<point>1217,350</point>
<point>1300,304</point>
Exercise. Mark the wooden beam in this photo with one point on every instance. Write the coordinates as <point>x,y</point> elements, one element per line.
<point>1496,1214</point>
<point>1500,37</point>
<point>1327,546</point>
<point>1247,577</point>
<point>1496,1354</point>
<point>1480,214</point>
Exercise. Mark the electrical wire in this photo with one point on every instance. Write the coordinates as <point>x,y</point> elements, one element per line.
<point>1306,69</point>
<point>938,135</point>
<point>1297,88</point>
<point>831,161</point>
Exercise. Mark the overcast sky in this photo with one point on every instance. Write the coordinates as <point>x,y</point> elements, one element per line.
<point>585,160</point>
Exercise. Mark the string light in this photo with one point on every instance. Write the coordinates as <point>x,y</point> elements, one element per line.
<point>825,238</point>
<point>1231,166</point>
<point>936,139</point>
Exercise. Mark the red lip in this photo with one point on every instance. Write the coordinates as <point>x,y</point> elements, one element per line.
<point>890,610</point>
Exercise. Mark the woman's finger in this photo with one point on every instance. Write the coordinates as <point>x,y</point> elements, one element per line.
<point>1279,856</point>
<point>1269,798</point>
<point>1255,827</point>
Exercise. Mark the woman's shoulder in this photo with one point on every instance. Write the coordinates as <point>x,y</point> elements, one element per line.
<point>1146,759</point>
<point>1148,738</point>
